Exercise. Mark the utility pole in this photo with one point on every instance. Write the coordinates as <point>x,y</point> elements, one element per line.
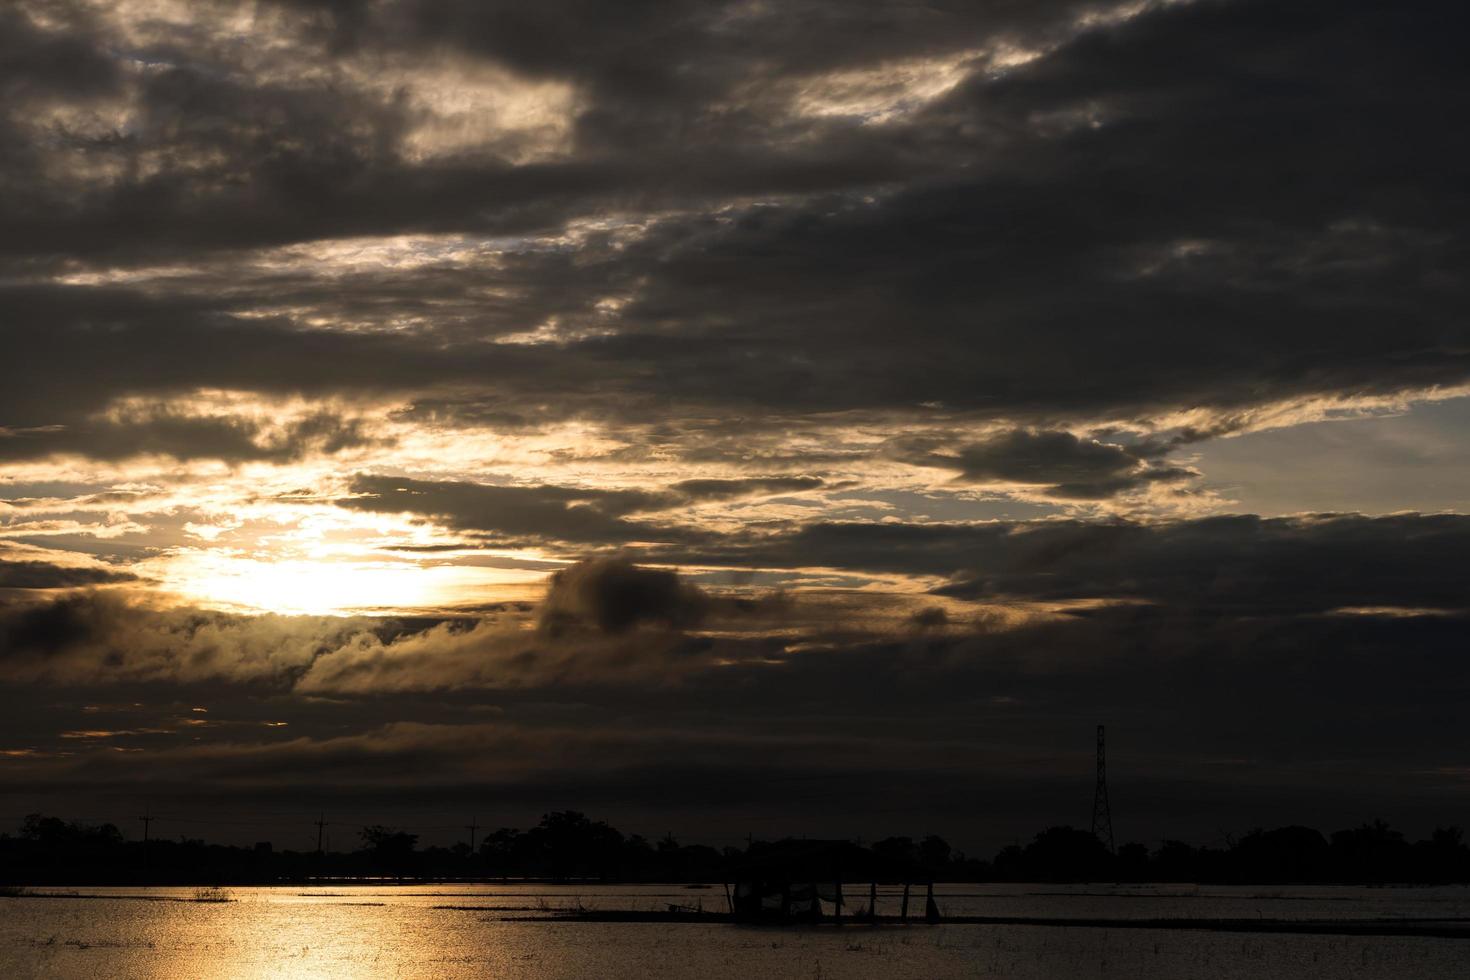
<point>472,826</point>
<point>147,819</point>
<point>1102,815</point>
<point>321,824</point>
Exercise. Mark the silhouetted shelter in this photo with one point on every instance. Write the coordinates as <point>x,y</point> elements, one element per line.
<point>789,881</point>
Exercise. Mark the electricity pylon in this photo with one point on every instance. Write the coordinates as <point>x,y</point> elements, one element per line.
<point>1102,815</point>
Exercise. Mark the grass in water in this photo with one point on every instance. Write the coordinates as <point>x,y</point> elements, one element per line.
<point>213,893</point>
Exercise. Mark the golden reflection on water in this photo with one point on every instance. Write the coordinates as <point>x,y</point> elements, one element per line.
<point>299,933</point>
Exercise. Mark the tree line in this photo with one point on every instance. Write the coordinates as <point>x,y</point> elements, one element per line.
<point>569,846</point>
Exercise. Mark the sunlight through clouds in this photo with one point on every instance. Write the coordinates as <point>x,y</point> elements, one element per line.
<point>332,586</point>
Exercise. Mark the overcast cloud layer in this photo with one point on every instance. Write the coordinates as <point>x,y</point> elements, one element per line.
<point>736,412</point>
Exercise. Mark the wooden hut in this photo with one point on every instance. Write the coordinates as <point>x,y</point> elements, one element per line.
<point>811,881</point>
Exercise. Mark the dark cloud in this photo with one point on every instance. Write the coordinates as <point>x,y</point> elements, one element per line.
<point>1062,463</point>
<point>577,514</point>
<point>689,81</point>
<point>37,65</point>
<point>1298,563</point>
<point>107,638</point>
<point>1244,564</point>
<point>613,595</point>
<point>559,513</point>
<point>1320,573</point>
<point>930,617</point>
<point>45,575</point>
<point>602,621</point>
<point>712,489</point>
<point>1308,564</point>
<point>1210,205</point>
<point>169,432</point>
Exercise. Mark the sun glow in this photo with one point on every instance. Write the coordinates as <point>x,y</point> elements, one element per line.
<point>311,587</point>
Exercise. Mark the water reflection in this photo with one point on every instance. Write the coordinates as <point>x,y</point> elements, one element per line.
<point>346,933</point>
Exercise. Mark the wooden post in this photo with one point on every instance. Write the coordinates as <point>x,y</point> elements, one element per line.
<point>873,900</point>
<point>837,905</point>
<point>904,915</point>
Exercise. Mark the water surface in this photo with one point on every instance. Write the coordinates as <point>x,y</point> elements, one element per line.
<point>379,930</point>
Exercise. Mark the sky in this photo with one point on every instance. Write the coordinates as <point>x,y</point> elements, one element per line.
<point>767,418</point>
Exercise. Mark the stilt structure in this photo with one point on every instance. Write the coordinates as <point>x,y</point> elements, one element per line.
<point>796,882</point>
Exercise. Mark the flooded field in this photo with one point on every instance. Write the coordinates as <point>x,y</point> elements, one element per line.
<point>372,931</point>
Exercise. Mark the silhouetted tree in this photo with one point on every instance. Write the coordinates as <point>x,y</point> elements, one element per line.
<point>1370,852</point>
<point>1063,853</point>
<point>1443,857</point>
<point>1283,854</point>
<point>934,854</point>
<point>391,850</point>
<point>567,844</point>
<point>1132,863</point>
<point>1010,863</point>
<point>575,846</point>
<point>899,850</point>
<point>498,850</point>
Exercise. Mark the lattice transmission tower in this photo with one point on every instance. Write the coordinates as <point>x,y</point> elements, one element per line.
<point>1102,814</point>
